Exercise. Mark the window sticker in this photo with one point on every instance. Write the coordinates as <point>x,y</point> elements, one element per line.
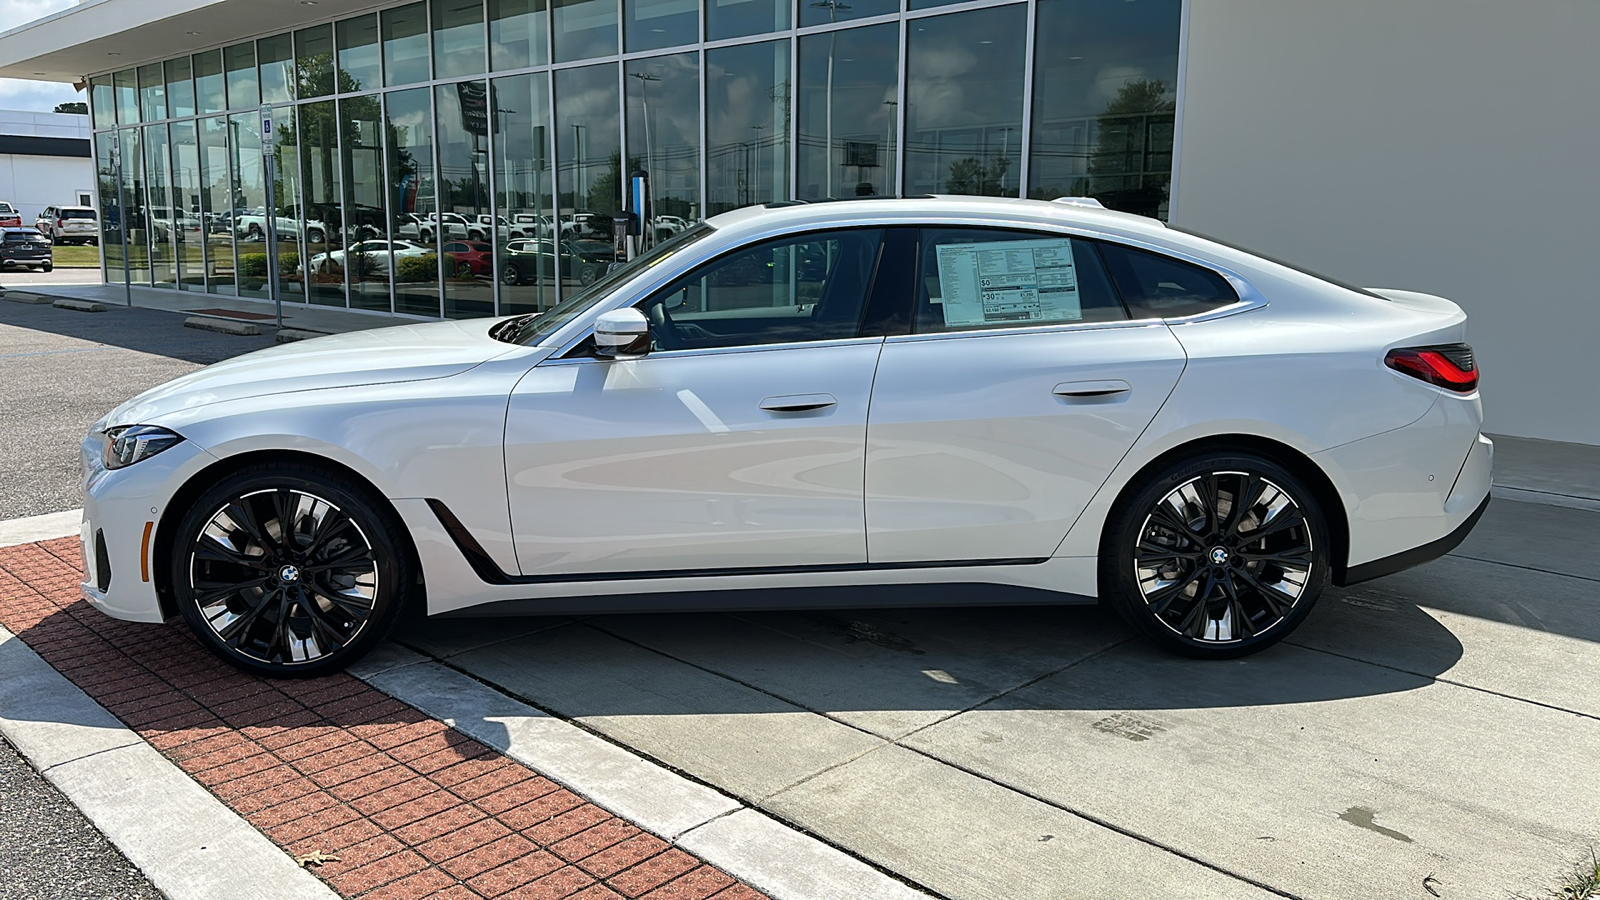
<point>1003,282</point>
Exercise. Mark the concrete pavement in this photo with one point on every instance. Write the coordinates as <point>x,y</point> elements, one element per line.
<point>1440,724</point>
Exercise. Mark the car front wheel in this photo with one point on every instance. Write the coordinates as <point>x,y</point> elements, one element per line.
<point>1217,557</point>
<point>290,571</point>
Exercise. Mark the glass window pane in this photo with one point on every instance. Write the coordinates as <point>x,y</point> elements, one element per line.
<point>588,170</point>
<point>210,90</point>
<point>135,205</point>
<point>249,202</point>
<point>526,260</point>
<point>313,49</point>
<point>848,89</point>
<point>126,84</point>
<point>152,92</point>
<point>807,288</point>
<point>110,208</point>
<point>360,62</point>
<point>217,205</point>
<point>664,138</point>
<point>824,12</point>
<point>180,90</point>
<point>653,24</point>
<point>276,56</point>
<point>414,218</point>
<point>1039,280</point>
<point>290,220</point>
<point>457,38</point>
<point>747,125</point>
<point>101,101</point>
<point>585,29</point>
<point>518,32</point>
<point>964,87</point>
<point>1104,128</point>
<point>365,222</point>
<point>189,242</point>
<point>1156,286</point>
<point>322,212</point>
<point>737,18</point>
<point>463,136</point>
<point>405,44</point>
<point>243,86</point>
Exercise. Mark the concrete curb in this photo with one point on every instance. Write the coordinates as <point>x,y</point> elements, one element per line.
<point>221,326</point>
<point>286,335</point>
<point>183,839</point>
<point>747,844</point>
<point>40,528</point>
<point>79,305</point>
<point>26,297</point>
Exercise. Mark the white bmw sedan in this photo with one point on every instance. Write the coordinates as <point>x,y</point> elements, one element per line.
<point>903,391</point>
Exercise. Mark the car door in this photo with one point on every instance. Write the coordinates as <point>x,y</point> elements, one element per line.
<point>736,444</point>
<point>1022,384</point>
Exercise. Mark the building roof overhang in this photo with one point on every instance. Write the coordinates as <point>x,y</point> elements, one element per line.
<point>102,35</point>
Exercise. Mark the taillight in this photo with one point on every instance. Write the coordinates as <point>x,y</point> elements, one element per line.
<point>1450,366</point>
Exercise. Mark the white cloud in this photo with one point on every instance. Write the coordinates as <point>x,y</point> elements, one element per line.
<point>35,96</point>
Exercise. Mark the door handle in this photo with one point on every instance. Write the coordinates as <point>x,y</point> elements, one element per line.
<point>798,402</point>
<point>1091,388</point>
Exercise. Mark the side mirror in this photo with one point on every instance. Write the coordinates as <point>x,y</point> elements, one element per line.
<point>622,334</point>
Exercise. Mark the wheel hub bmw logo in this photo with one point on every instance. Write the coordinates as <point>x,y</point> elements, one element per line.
<point>289,574</point>
<point>1219,556</point>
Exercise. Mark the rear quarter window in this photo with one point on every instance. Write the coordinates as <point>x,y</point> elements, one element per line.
<point>1154,286</point>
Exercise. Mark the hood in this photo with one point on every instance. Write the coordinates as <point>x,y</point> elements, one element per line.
<point>376,356</point>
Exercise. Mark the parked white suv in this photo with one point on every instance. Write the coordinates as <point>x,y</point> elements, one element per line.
<point>69,225</point>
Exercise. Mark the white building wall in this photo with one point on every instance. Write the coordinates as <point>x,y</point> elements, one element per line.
<point>1446,146</point>
<point>32,183</point>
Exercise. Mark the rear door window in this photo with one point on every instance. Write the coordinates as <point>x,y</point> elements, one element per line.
<point>984,278</point>
<point>1160,287</point>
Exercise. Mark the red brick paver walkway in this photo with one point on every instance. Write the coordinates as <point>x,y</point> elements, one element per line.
<point>411,807</point>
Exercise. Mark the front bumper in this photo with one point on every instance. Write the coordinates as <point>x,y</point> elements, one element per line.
<point>122,511</point>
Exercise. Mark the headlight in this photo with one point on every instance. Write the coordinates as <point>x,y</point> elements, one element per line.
<point>128,444</point>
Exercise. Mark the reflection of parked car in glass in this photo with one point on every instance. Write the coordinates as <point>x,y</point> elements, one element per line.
<point>527,261</point>
<point>25,248</point>
<point>530,225</point>
<point>68,225</point>
<point>164,223</point>
<point>9,217</point>
<point>253,225</point>
<point>469,259</point>
<point>376,254</point>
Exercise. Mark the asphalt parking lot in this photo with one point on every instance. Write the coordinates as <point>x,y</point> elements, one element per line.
<point>1432,734</point>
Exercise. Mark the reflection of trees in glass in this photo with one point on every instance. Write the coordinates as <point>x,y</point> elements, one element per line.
<point>973,176</point>
<point>1125,168</point>
<point>76,107</point>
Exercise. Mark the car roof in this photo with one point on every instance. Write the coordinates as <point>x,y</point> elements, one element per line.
<point>934,209</point>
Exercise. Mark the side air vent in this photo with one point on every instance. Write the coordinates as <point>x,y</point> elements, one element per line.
<point>102,562</point>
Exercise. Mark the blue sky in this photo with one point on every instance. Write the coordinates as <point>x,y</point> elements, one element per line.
<point>35,96</point>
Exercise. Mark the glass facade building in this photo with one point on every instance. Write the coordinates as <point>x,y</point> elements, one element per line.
<point>457,158</point>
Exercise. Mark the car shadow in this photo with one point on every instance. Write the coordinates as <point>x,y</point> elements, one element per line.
<point>154,331</point>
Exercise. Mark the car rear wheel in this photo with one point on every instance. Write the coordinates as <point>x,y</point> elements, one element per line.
<point>47,267</point>
<point>509,275</point>
<point>290,571</point>
<point>1216,557</point>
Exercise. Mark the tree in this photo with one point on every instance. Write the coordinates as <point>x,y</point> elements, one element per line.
<point>972,176</point>
<point>76,107</point>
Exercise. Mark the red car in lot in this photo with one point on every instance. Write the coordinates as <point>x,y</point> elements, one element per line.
<point>469,259</point>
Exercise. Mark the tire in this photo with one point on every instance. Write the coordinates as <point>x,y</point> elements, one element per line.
<point>227,568</point>
<point>47,267</point>
<point>316,236</point>
<point>588,274</point>
<point>1190,575</point>
<point>463,270</point>
<point>254,232</point>
<point>510,276</point>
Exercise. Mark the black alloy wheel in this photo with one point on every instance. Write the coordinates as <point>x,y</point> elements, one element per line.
<point>509,275</point>
<point>1217,557</point>
<point>290,571</point>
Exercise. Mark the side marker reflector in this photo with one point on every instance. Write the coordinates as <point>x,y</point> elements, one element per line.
<point>144,552</point>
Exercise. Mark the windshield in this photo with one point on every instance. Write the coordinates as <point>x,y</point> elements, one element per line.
<point>1273,259</point>
<point>533,328</point>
